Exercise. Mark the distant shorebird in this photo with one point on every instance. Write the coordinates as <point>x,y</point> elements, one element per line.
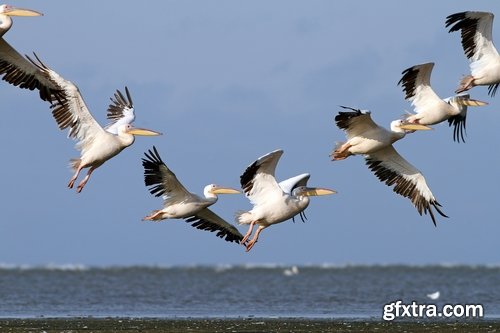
<point>434,296</point>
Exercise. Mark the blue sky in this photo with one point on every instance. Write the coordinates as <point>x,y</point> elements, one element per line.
<point>226,82</point>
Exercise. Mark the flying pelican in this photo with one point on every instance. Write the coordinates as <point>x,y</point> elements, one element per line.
<point>97,144</point>
<point>181,204</point>
<point>272,203</point>
<point>476,31</point>
<point>429,107</point>
<point>374,142</point>
<point>16,69</point>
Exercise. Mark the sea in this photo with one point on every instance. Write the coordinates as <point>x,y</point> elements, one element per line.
<point>240,291</point>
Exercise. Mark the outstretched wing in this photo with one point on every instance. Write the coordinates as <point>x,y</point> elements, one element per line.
<point>416,83</point>
<point>392,169</point>
<point>258,178</point>
<point>355,122</point>
<point>18,71</point>
<point>161,181</point>
<point>207,220</point>
<point>71,111</point>
<point>120,111</point>
<point>288,185</point>
<point>458,121</point>
<point>476,31</point>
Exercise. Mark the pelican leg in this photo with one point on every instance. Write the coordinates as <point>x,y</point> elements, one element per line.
<point>75,176</point>
<point>251,243</point>
<point>154,216</point>
<point>465,84</point>
<point>85,180</point>
<point>341,153</point>
<point>249,232</point>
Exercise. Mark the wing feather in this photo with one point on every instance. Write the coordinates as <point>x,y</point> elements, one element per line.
<point>161,181</point>
<point>392,169</point>
<point>355,122</point>
<point>120,111</point>
<point>288,185</point>
<point>18,71</point>
<point>476,32</point>
<point>416,83</point>
<point>71,111</point>
<point>207,220</point>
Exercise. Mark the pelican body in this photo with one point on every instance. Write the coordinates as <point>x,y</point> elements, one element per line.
<point>272,202</point>
<point>96,144</point>
<point>374,142</point>
<point>179,203</point>
<point>14,68</point>
<point>477,42</point>
<point>429,107</point>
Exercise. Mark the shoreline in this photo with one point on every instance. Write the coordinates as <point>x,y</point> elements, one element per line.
<point>243,324</point>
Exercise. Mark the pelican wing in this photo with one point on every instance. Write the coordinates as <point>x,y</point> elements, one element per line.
<point>416,83</point>
<point>207,220</point>
<point>476,31</point>
<point>71,111</point>
<point>120,111</point>
<point>393,169</point>
<point>18,71</point>
<point>290,184</point>
<point>458,121</point>
<point>161,180</point>
<point>355,122</point>
<point>258,179</point>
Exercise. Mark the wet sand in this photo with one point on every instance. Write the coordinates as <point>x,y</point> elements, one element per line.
<point>150,325</point>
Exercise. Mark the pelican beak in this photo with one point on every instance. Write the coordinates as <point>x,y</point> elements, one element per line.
<point>414,127</point>
<point>143,132</point>
<point>224,190</point>
<point>13,11</point>
<point>315,191</point>
<point>471,102</point>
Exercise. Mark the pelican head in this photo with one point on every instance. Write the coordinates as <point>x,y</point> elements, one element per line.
<point>302,191</point>
<point>461,101</point>
<point>216,189</point>
<point>129,129</point>
<point>14,11</point>
<point>211,191</point>
<point>6,11</point>
<point>402,126</point>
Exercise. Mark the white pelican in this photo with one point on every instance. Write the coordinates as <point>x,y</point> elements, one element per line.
<point>375,144</point>
<point>476,31</point>
<point>271,203</point>
<point>14,68</point>
<point>429,107</point>
<point>97,144</point>
<point>179,203</point>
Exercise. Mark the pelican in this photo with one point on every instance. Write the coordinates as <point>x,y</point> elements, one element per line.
<point>366,138</point>
<point>181,204</point>
<point>429,107</point>
<point>96,144</point>
<point>272,202</point>
<point>14,68</point>
<point>476,31</point>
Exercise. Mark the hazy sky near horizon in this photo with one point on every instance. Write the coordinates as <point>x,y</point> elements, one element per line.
<point>226,82</point>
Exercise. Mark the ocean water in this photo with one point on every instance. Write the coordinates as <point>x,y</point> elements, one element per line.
<point>239,291</point>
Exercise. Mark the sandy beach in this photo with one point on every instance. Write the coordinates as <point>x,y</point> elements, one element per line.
<point>152,325</point>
